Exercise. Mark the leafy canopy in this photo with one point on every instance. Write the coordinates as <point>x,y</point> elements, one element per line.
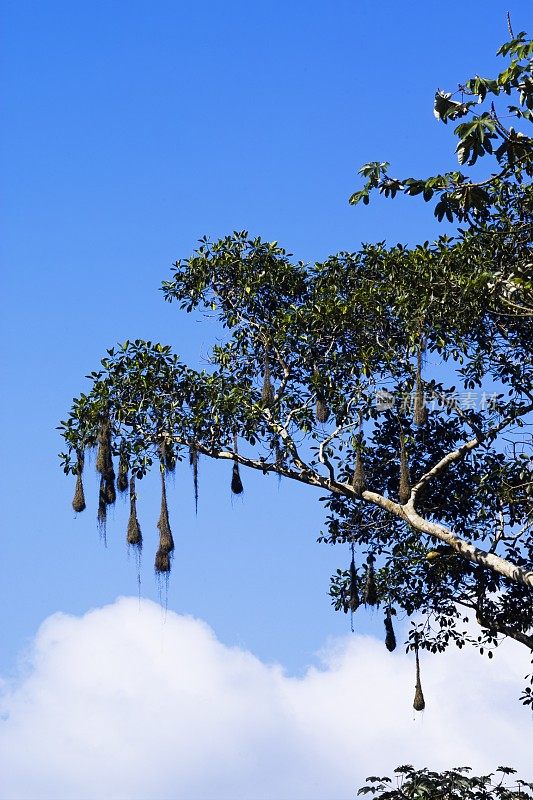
<point>454,784</point>
<point>397,381</point>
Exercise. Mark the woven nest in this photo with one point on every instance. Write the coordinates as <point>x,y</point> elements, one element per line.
<point>78,501</point>
<point>322,411</point>
<point>134,535</point>
<point>404,488</point>
<point>390,638</point>
<point>162,562</point>
<point>358,480</point>
<point>236,482</point>
<point>353,598</point>
<point>371,592</point>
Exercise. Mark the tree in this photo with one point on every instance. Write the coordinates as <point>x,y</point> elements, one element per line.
<point>331,374</point>
<point>454,784</point>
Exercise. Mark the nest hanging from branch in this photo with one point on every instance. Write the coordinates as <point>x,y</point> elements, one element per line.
<point>404,488</point>
<point>162,562</point>
<point>236,482</point>
<point>390,638</point>
<point>102,504</point>
<point>353,598</point>
<point>194,457</point>
<point>104,465</point>
<point>168,456</point>
<point>134,535</point>
<point>358,479</point>
<point>78,501</point>
<point>267,392</point>
<point>322,410</point>
<point>420,410</point>
<point>166,541</point>
<point>123,466</point>
<point>419,703</point>
<point>371,592</point>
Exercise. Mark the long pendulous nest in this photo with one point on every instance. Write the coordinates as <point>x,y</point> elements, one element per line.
<point>404,488</point>
<point>371,592</point>
<point>133,535</point>
<point>166,541</point>
<point>419,703</point>
<point>390,638</point>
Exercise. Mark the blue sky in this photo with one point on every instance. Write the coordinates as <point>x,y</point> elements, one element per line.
<point>130,130</point>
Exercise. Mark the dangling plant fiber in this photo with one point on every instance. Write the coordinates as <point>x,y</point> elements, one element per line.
<point>420,411</point>
<point>267,392</point>
<point>78,501</point>
<point>193,461</point>
<point>370,591</point>
<point>123,466</point>
<point>419,703</point>
<point>322,410</point>
<point>390,638</point>
<point>404,489</point>
<point>166,541</point>
<point>134,535</point>
<point>236,483</point>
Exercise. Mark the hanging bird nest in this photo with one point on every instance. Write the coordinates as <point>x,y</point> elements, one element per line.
<point>370,591</point>
<point>166,541</point>
<point>353,599</point>
<point>123,466</point>
<point>267,392</point>
<point>322,410</point>
<point>104,465</point>
<point>236,482</point>
<point>194,457</point>
<point>102,504</point>
<point>419,703</point>
<point>104,460</point>
<point>390,638</point>
<point>162,562</point>
<point>168,455</point>
<point>404,488</point>
<point>358,480</point>
<point>110,493</point>
<point>420,410</point>
<point>134,535</point>
<point>78,501</point>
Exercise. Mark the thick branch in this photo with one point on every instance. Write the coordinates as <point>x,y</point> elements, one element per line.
<point>464,449</point>
<point>469,551</point>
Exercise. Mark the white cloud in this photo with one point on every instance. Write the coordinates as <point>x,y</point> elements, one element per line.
<point>122,704</point>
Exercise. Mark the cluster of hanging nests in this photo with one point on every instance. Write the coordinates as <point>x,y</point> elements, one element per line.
<point>369,596</point>
<point>109,483</point>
